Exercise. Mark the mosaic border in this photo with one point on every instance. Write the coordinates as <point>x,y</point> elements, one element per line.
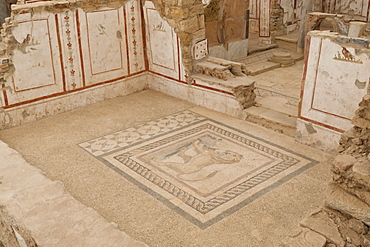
<point>192,201</point>
<point>162,131</point>
<point>250,183</point>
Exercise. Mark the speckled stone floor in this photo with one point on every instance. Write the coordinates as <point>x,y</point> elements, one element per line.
<point>169,173</point>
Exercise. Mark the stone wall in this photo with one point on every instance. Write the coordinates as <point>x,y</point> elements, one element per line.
<point>226,28</point>
<point>277,26</point>
<point>344,220</point>
<point>187,19</point>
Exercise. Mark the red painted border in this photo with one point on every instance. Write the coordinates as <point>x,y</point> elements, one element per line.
<point>126,38</point>
<point>151,54</point>
<point>61,54</point>
<point>194,84</point>
<point>51,57</point>
<point>72,91</point>
<point>314,89</point>
<point>322,124</point>
<point>308,46</point>
<point>178,57</point>
<point>89,46</point>
<point>144,32</point>
<point>78,24</point>
<point>212,89</point>
<point>6,101</point>
<point>167,77</point>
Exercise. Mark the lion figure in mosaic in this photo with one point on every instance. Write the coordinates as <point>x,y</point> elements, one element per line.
<point>205,156</point>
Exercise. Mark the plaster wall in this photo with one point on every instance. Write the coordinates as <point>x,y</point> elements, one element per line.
<point>359,9</point>
<point>336,77</point>
<point>167,73</point>
<point>62,58</point>
<point>163,46</point>
<point>292,13</point>
<point>254,16</point>
<point>70,58</point>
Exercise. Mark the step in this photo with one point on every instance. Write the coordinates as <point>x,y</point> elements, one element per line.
<point>271,119</point>
<point>288,42</point>
<point>261,67</point>
<point>261,47</point>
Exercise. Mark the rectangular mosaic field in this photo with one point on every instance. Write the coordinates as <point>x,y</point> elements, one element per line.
<point>203,169</point>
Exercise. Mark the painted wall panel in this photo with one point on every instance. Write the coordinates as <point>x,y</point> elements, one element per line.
<point>103,43</point>
<point>335,82</point>
<point>162,43</point>
<point>38,69</point>
<point>73,50</point>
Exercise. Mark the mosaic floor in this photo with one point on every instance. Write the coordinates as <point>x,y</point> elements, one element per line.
<point>203,169</point>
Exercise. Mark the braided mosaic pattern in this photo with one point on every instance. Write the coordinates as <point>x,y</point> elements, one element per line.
<point>190,200</point>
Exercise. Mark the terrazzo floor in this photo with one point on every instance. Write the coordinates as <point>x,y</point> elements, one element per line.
<point>170,173</point>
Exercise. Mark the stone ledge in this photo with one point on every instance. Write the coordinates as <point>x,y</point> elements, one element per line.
<point>53,217</point>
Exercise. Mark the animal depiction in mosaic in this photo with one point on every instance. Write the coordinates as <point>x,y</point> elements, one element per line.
<point>197,155</point>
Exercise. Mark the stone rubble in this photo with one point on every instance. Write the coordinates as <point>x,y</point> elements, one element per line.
<point>13,234</point>
<point>344,220</point>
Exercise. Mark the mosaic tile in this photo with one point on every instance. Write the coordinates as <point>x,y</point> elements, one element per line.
<point>202,169</point>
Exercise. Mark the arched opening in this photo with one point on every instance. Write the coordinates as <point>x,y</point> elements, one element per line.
<point>325,25</point>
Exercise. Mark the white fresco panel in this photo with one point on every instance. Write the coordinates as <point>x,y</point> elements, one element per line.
<point>161,36</point>
<point>33,53</point>
<point>104,41</point>
<point>335,88</point>
<point>103,45</point>
<point>335,82</point>
<point>36,59</point>
<point>163,49</point>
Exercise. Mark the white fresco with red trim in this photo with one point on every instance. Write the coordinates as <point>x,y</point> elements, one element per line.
<point>336,77</point>
<point>163,46</point>
<point>36,58</point>
<point>334,85</point>
<point>68,51</point>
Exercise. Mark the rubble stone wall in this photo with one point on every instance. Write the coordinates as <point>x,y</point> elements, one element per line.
<point>344,218</point>
<point>187,19</point>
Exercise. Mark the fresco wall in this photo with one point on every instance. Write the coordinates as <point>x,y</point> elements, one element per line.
<point>336,77</point>
<point>359,10</point>
<point>60,57</point>
<point>59,61</point>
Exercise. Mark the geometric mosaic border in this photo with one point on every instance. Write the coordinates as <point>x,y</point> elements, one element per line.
<point>165,130</point>
<point>190,200</point>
